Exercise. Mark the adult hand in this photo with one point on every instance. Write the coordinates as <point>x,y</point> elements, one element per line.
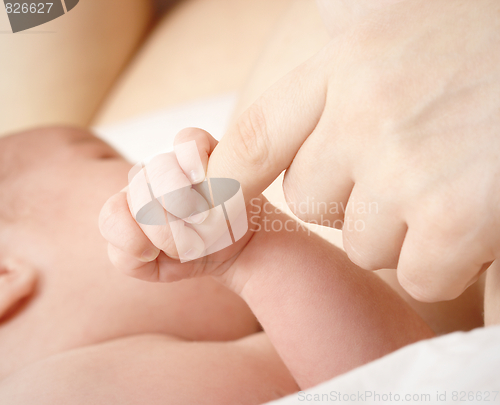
<point>398,121</point>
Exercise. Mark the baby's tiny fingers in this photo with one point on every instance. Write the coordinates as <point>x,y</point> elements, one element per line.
<point>158,191</point>
<point>120,229</point>
<point>173,190</point>
<point>131,266</point>
<point>189,244</point>
<point>163,269</point>
<point>193,147</point>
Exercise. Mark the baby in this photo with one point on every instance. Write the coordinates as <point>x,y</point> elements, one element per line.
<point>323,315</point>
<point>76,331</point>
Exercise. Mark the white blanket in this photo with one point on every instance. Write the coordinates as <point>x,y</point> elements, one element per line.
<point>142,137</point>
<point>459,368</point>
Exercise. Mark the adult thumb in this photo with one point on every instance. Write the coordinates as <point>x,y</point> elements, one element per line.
<point>265,138</point>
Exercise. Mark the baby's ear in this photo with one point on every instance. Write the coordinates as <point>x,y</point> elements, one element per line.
<point>17,281</point>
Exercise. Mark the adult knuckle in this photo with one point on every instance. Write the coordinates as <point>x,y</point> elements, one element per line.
<point>358,253</point>
<point>294,198</point>
<point>446,226</point>
<point>422,286</point>
<point>364,261</point>
<point>289,194</point>
<point>253,137</point>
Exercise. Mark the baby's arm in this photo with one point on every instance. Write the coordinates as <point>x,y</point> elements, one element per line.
<point>324,315</point>
<point>154,369</point>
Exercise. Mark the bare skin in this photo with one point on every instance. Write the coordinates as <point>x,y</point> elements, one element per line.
<point>298,33</point>
<point>323,314</point>
<point>53,188</point>
<point>383,111</point>
<point>141,332</point>
<point>61,366</point>
<point>70,102</point>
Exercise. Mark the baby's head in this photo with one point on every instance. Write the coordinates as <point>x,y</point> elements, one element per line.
<point>50,182</point>
<point>37,166</point>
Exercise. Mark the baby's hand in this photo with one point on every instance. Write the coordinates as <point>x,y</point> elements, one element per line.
<point>168,213</point>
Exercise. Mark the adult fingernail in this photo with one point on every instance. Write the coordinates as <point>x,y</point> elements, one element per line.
<point>197,217</point>
<point>196,176</point>
<point>149,255</point>
<point>191,254</point>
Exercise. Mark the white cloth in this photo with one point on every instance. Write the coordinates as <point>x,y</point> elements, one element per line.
<point>142,137</point>
<point>451,369</point>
